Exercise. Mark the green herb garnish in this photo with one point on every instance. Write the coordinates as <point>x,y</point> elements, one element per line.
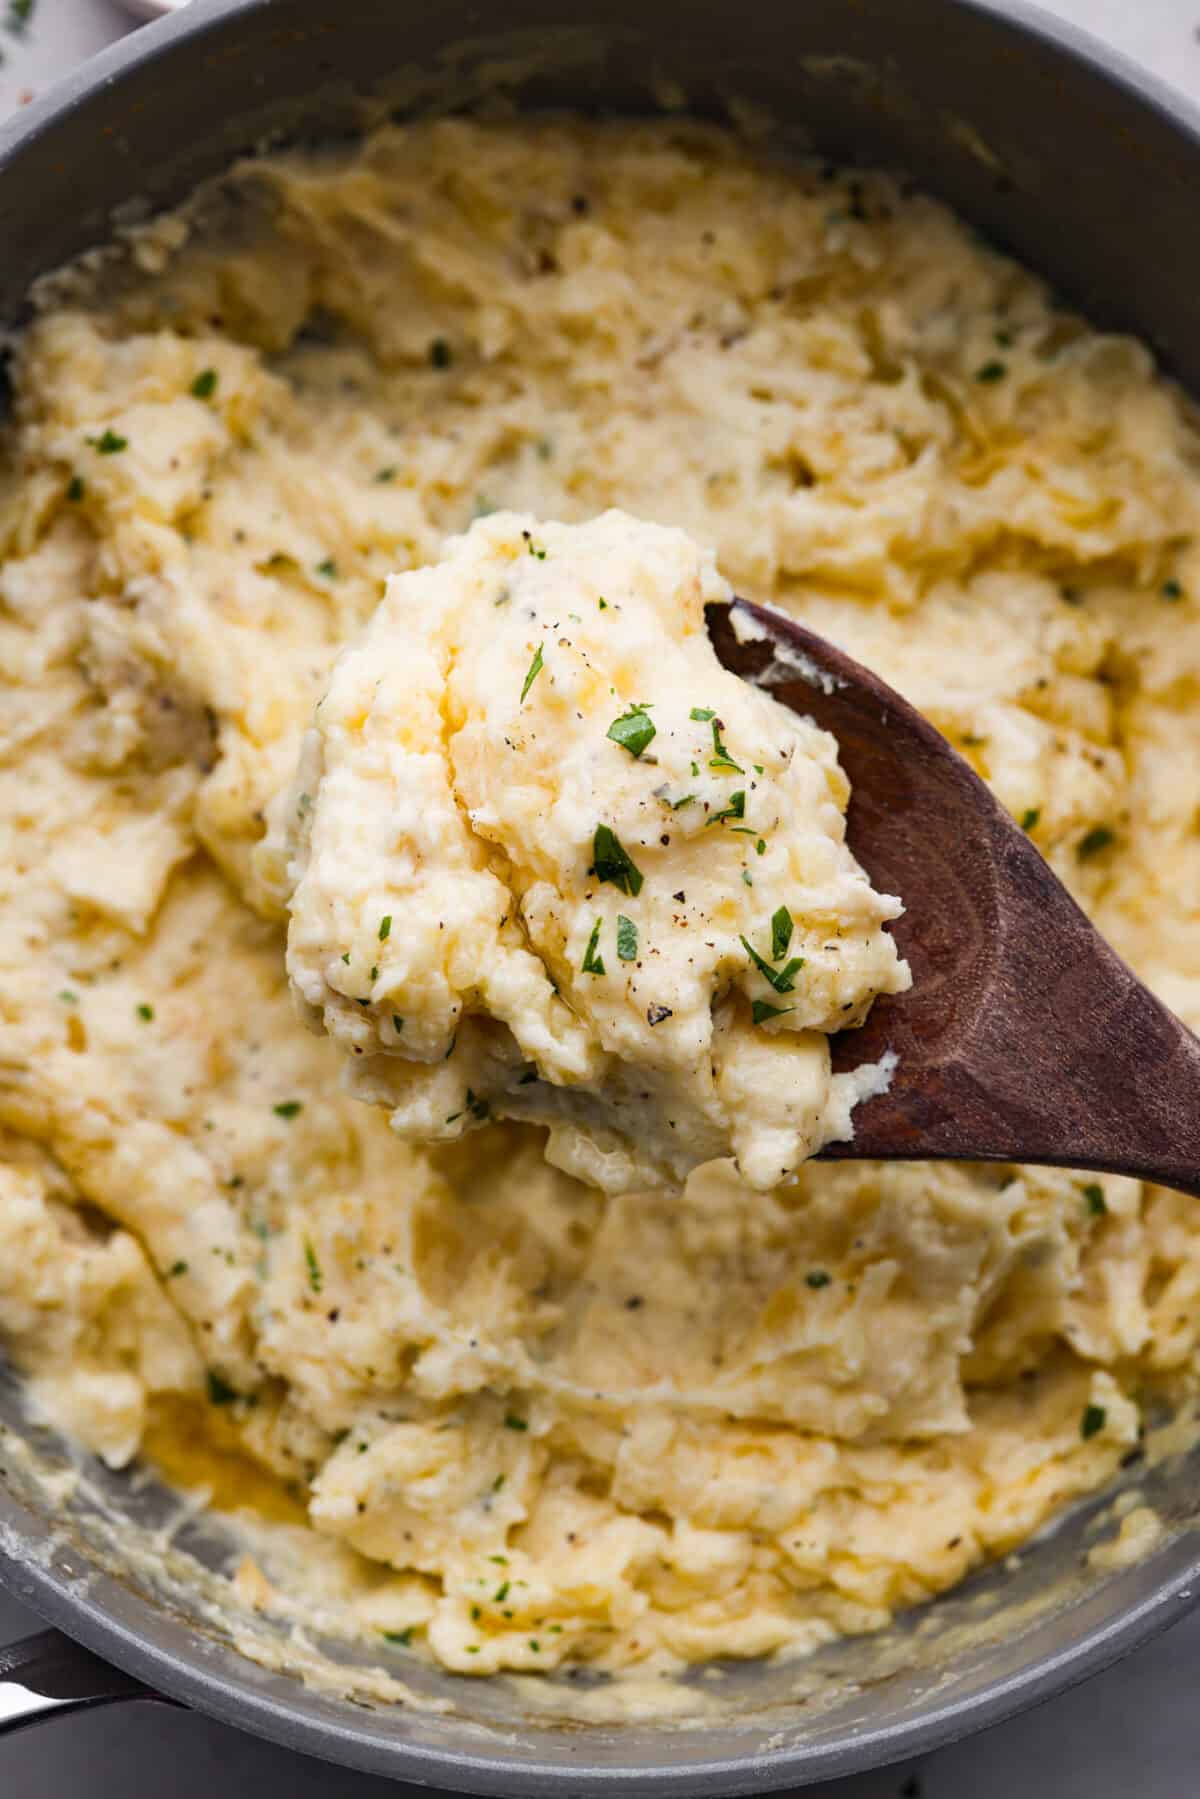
<point>385,927</point>
<point>627,939</point>
<point>75,489</point>
<point>145,1012</point>
<point>611,862</point>
<point>501,1593</point>
<point>109,442</point>
<point>781,933</point>
<point>315,1280</point>
<point>399,1636</point>
<point>1097,1205</point>
<point>1030,817</point>
<point>735,809</point>
<point>384,475</point>
<point>634,730</point>
<point>721,759</point>
<point>593,963</point>
<point>205,384</point>
<point>512,1422</point>
<point>702,714</point>
<point>175,1270</point>
<point>1100,837</point>
<point>328,568</point>
<point>288,1108</point>
<point>760,1011</point>
<point>535,669</point>
<point>780,978</point>
<point>1094,1419</point>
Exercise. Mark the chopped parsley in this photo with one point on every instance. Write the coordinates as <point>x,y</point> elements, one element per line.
<point>627,938</point>
<point>611,862</point>
<point>288,1108</point>
<point>315,1278</point>
<point>75,489</point>
<point>781,933</point>
<point>592,962</point>
<point>1097,1205</point>
<point>512,1422</point>
<point>1094,1419</point>
<point>501,1593</point>
<point>782,979</point>
<point>175,1270</point>
<point>399,1636</point>
<point>721,759</point>
<point>328,568</point>
<point>760,1011</point>
<point>440,353</point>
<point>384,475</point>
<point>1100,837</point>
<point>535,669</point>
<point>219,1390</point>
<point>817,1277</point>
<point>68,998</point>
<point>145,1012</point>
<point>634,730</point>
<point>991,371</point>
<point>385,927</point>
<point>1171,590</point>
<point>346,957</point>
<point>205,384</point>
<point>702,714</point>
<point>109,442</point>
<point>1030,817</point>
<point>735,809</point>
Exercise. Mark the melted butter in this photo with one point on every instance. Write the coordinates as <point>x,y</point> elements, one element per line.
<point>191,1448</point>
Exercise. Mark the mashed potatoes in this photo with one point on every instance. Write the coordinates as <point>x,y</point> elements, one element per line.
<point>523,891</point>
<point>723,1424</point>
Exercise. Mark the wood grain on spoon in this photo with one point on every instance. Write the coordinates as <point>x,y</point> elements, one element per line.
<point>1024,1038</point>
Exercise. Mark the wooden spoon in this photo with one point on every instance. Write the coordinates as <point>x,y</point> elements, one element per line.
<point>1024,1037</point>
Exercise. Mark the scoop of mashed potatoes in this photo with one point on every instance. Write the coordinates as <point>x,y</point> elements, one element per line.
<point>553,862</point>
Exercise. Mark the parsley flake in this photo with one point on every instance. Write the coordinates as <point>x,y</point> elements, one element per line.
<point>627,938</point>
<point>399,1636</point>
<point>328,568</point>
<point>385,927</point>
<point>315,1278</point>
<point>1094,1419</point>
<point>702,714</point>
<point>721,759</point>
<point>175,1270</point>
<point>512,1422</point>
<point>288,1108</point>
<point>781,933</point>
<point>205,384</point>
<point>782,979</point>
<point>145,1012</point>
<point>75,489</point>
<point>384,475</point>
<point>109,442</point>
<point>1030,817</point>
<point>760,1011</point>
<point>1100,837</point>
<point>634,730</point>
<point>1097,1205</point>
<point>535,669</point>
<point>735,809</point>
<point>593,963</point>
<point>611,862</point>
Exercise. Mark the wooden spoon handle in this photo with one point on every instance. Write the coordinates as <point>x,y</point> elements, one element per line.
<point>1025,1038</point>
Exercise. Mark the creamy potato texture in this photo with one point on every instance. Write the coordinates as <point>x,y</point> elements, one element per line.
<point>523,891</point>
<point>728,1422</point>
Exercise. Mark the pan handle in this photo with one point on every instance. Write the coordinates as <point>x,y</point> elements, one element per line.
<point>47,1675</point>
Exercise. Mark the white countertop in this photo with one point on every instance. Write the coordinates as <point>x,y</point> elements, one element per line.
<point>1133,1733</point>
